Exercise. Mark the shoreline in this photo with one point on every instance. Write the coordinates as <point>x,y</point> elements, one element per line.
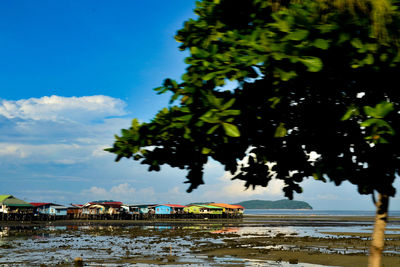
<point>247,220</point>
<point>265,239</point>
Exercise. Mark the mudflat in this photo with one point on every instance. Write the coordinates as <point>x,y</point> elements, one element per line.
<point>263,240</point>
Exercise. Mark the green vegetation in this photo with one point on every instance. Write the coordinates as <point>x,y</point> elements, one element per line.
<point>310,77</point>
<point>278,204</point>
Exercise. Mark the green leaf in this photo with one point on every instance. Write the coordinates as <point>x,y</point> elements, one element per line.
<point>160,90</point>
<point>356,43</point>
<point>212,129</point>
<point>194,50</point>
<point>184,118</point>
<point>321,43</point>
<point>327,27</point>
<point>275,101</point>
<point>369,122</point>
<point>210,119</point>
<point>383,57</point>
<point>135,124</point>
<point>228,104</point>
<point>230,112</point>
<point>372,47</point>
<point>209,76</point>
<point>380,110</point>
<point>205,150</point>
<point>283,25</point>
<point>297,35</point>
<point>383,108</point>
<point>285,76</point>
<point>343,37</point>
<point>369,59</point>
<point>187,133</point>
<point>213,99</point>
<point>280,131</point>
<point>351,111</point>
<point>313,64</point>
<point>231,130</point>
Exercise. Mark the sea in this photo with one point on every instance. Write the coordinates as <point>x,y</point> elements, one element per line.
<point>179,244</point>
<point>392,213</point>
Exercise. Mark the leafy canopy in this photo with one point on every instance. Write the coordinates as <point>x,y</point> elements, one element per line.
<point>311,78</point>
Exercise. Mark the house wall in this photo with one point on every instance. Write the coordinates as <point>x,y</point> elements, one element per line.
<point>52,210</point>
<point>57,211</point>
<point>163,210</point>
<point>74,211</point>
<point>192,209</point>
<point>144,210</point>
<point>215,211</point>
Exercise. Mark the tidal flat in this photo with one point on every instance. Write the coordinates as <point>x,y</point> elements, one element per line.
<point>253,241</point>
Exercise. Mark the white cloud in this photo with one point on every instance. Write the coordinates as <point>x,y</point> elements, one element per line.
<point>235,190</point>
<point>99,152</point>
<point>43,153</point>
<point>122,192</point>
<point>123,189</point>
<point>96,192</point>
<point>12,150</point>
<point>62,109</point>
<point>61,130</point>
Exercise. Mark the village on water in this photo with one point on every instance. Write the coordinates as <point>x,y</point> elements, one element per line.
<point>15,209</point>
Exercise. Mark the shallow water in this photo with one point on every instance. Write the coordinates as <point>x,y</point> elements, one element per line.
<point>143,245</point>
<point>332,213</point>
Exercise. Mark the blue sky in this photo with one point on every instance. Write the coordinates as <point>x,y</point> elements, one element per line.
<point>73,73</point>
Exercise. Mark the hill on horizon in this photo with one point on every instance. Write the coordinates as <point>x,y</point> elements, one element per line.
<point>278,204</point>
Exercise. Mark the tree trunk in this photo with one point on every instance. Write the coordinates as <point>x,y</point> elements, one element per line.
<point>378,236</point>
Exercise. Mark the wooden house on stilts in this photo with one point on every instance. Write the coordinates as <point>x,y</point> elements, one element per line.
<point>12,208</point>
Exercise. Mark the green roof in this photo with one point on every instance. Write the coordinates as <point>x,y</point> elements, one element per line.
<point>11,201</point>
<point>4,197</point>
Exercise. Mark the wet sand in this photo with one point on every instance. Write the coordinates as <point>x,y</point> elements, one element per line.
<point>255,240</point>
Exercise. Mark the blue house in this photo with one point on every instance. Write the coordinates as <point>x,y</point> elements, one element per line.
<point>168,209</point>
<point>50,209</point>
<point>163,209</point>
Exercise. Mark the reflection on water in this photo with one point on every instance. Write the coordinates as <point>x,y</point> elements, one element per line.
<point>114,245</point>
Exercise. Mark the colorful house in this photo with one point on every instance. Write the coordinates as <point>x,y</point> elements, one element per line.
<point>228,208</point>
<point>11,204</point>
<point>130,209</point>
<point>102,207</point>
<point>74,209</point>
<point>169,209</point>
<point>192,209</point>
<point>203,209</point>
<point>50,208</point>
<point>144,208</point>
<point>211,209</point>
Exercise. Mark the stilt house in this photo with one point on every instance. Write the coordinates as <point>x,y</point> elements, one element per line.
<point>11,204</point>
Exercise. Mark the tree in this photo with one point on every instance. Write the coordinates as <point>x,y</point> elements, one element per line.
<point>311,77</point>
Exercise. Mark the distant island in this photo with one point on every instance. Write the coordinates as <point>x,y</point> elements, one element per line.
<point>279,204</point>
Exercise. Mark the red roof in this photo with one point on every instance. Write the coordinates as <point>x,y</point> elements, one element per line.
<point>38,204</point>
